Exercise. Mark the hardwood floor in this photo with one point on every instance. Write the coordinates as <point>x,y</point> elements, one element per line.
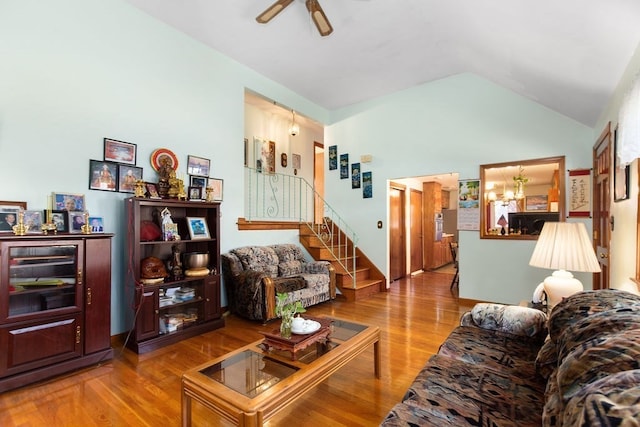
<point>415,317</point>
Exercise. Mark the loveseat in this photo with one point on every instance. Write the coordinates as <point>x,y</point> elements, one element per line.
<point>511,366</point>
<point>254,274</point>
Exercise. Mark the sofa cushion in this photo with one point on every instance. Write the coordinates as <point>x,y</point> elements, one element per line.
<point>501,352</point>
<point>258,258</point>
<point>289,284</point>
<point>608,322</point>
<point>611,401</point>
<point>288,252</point>
<point>584,304</point>
<point>602,356</point>
<point>484,396</point>
<point>511,319</point>
<point>289,268</point>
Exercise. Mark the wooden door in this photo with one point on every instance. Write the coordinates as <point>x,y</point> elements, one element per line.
<point>601,201</point>
<point>397,239</point>
<point>416,231</point>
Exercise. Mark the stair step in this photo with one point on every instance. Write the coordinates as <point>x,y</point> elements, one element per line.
<point>344,278</point>
<point>364,289</point>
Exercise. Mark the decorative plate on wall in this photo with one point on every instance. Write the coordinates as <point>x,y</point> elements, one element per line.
<point>159,154</point>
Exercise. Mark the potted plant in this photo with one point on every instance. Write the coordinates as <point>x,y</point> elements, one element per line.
<point>287,311</point>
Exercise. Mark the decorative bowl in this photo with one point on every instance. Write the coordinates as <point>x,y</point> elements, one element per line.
<point>193,260</point>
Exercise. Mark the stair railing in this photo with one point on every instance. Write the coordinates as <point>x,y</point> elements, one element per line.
<point>279,197</point>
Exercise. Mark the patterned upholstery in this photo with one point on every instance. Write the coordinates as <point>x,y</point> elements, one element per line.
<point>253,274</point>
<point>497,369</point>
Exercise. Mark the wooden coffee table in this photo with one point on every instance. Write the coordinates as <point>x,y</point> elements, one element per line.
<point>250,385</point>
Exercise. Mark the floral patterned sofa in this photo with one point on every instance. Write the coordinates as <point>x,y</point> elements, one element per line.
<point>254,274</point>
<point>511,366</point>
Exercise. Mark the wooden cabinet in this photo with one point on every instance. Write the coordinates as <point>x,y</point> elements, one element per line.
<point>441,253</point>
<point>173,309</point>
<point>55,305</point>
<point>445,196</point>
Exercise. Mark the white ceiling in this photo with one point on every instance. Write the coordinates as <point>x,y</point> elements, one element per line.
<point>565,54</point>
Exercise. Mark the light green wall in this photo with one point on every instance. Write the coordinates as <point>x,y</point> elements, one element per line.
<point>452,125</point>
<point>75,71</point>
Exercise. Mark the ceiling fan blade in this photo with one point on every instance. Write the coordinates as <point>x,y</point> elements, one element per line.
<point>272,11</point>
<point>319,18</point>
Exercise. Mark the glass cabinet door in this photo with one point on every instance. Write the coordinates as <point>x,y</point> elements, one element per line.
<point>43,278</point>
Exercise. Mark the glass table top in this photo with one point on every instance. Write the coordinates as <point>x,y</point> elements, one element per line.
<point>252,371</point>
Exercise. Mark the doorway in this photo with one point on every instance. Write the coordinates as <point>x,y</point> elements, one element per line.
<point>397,236</point>
<point>601,199</point>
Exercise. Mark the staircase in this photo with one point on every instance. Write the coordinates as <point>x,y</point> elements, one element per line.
<point>357,277</point>
<point>290,199</point>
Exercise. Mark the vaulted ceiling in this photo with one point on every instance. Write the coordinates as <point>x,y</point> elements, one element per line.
<point>565,54</point>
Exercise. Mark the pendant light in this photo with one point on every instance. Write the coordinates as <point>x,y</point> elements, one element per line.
<point>294,129</point>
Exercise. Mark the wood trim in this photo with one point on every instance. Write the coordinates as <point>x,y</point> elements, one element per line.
<point>243,224</point>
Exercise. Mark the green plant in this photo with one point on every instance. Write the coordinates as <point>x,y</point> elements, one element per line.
<point>287,310</point>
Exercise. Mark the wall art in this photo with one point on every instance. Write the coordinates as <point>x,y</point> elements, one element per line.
<point>355,175</point>
<point>367,185</point>
<point>103,175</point>
<point>127,177</point>
<point>579,190</point>
<point>620,174</point>
<point>344,166</point>
<point>333,157</point>
<point>120,151</point>
<point>198,166</point>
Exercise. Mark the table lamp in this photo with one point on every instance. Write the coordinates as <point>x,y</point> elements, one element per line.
<point>563,246</point>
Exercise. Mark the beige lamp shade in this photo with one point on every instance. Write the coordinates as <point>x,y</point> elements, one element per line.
<point>564,246</point>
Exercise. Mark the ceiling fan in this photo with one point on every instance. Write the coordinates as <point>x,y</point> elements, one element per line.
<point>317,14</point>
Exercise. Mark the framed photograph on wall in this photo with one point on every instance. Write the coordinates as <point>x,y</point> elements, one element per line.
<point>198,228</point>
<point>355,175</point>
<point>333,157</point>
<point>120,151</point>
<point>367,185</point>
<point>68,202</point>
<point>198,181</point>
<point>344,166</point>
<point>127,177</point>
<point>103,175</point>
<point>216,189</point>
<point>537,203</point>
<point>198,166</point>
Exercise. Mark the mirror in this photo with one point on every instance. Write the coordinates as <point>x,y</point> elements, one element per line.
<point>520,196</point>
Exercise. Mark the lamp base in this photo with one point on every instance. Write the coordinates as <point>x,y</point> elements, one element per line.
<point>560,284</point>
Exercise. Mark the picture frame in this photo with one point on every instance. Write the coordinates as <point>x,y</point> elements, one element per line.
<point>12,206</point>
<point>33,220</point>
<point>333,157</point>
<point>170,232</point>
<point>195,193</point>
<point>127,178</point>
<point>355,175</point>
<point>97,224</point>
<point>367,185</point>
<point>76,221</point>
<point>67,202</point>
<point>120,151</point>
<point>151,190</point>
<point>217,186</point>
<point>198,166</point>
<point>537,203</point>
<point>198,228</point>
<point>344,166</point>
<point>103,175</point>
<point>60,219</point>
<point>197,181</point>
<point>7,220</point>
<point>620,174</point>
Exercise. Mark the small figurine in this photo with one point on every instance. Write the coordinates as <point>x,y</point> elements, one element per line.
<point>175,264</point>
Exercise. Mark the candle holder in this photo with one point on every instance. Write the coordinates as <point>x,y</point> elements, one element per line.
<point>86,227</point>
<point>20,229</point>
